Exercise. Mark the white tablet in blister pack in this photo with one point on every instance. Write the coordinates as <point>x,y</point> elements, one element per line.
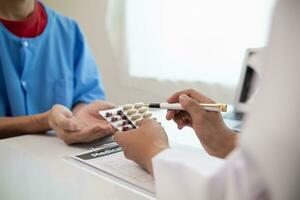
<point>126,117</point>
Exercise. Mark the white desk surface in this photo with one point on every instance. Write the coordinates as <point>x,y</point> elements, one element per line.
<point>33,167</point>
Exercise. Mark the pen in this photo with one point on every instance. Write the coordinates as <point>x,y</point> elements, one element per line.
<point>218,107</point>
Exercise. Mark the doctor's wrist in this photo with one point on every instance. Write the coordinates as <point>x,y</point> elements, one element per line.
<point>151,154</point>
<point>227,144</point>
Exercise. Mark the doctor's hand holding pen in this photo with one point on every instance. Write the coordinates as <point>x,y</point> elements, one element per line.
<point>142,144</point>
<point>217,139</point>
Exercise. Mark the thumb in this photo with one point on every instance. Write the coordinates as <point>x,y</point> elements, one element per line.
<point>63,118</point>
<point>122,137</point>
<point>191,106</point>
<point>62,110</point>
<point>108,128</point>
<point>67,113</point>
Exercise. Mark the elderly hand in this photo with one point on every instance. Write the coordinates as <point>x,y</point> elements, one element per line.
<point>143,143</point>
<point>81,126</point>
<point>217,139</point>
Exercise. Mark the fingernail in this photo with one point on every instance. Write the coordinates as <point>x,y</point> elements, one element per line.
<point>182,97</point>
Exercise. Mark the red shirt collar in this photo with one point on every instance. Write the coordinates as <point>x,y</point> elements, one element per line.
<point>32,26</point>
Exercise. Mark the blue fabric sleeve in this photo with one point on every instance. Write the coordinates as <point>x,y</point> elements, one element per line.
<point>88,86</point>
<point>3,97</point>
<point>3,112</point>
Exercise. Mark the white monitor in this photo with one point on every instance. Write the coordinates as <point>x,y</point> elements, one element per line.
<point>247,86</point>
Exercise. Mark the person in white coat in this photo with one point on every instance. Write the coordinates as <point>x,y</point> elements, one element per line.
<point>263,162</point>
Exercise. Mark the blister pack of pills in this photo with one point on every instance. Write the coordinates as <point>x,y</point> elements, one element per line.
<point>128,116</point>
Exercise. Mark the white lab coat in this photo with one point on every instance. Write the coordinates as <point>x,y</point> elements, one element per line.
<point>266,163</point>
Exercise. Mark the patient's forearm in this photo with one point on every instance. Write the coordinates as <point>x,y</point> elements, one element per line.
<point>14,126</point>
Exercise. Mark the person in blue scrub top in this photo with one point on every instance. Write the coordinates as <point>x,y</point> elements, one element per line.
<point>49,81</point>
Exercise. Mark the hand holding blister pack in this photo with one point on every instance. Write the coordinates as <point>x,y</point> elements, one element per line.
<point>128,116</point>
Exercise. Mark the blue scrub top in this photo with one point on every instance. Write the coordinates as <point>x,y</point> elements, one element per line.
<point>56,67</point>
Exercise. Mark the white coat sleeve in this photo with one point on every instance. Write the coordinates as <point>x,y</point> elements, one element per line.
<point>266,164</point>
<point>182,174</point>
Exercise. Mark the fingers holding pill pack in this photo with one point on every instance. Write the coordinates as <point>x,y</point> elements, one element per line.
<point>128,116</point>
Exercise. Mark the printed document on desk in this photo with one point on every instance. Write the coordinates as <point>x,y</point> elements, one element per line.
<point>111,159</point>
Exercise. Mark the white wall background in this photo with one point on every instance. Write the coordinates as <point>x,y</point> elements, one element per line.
<point>106,38</point>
